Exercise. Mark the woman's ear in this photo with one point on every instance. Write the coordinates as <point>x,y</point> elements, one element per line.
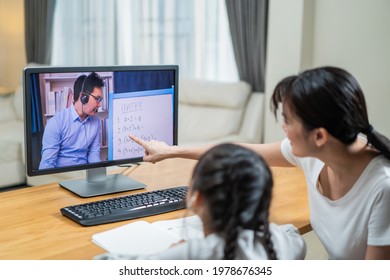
<point>321,136</point>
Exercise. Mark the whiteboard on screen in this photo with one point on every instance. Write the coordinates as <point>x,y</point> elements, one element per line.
<point>147,115</point>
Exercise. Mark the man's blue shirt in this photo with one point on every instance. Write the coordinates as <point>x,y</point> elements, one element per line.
<point>67,140</point>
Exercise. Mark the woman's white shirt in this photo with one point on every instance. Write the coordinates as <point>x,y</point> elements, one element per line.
<point>361,217</point>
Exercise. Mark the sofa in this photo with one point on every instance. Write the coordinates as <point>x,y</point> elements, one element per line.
<point>209,112</point>
<point>214,112</point>
<point>12,137</point>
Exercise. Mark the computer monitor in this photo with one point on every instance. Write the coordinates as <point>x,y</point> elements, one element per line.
<point>79,118</point>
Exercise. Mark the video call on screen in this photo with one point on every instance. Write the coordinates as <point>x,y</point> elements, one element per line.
<point>135,102</point>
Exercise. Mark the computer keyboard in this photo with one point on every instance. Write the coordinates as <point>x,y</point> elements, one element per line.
<point>127,207</point>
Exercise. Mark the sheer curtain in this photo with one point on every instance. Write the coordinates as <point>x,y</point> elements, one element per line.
<point>193,34</point>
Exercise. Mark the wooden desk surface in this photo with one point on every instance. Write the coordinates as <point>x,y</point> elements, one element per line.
<point>32,227</point>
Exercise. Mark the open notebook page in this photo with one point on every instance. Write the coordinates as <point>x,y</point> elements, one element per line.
<point>142,237</point>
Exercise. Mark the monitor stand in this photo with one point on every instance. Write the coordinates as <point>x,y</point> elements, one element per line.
<point>98,182</point>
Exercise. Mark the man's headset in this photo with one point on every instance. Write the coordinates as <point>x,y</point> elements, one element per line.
<point>84,98</point>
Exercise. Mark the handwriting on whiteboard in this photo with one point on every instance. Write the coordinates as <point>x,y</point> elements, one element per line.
<point>148,117</point>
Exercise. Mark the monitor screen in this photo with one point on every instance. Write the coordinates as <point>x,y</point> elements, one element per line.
<point>81,117</point>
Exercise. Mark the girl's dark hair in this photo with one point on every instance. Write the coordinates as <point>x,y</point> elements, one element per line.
<point>331,98</point>
<point>236,185</point>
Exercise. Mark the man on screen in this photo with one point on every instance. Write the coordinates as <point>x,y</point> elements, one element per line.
<point>73,135</point>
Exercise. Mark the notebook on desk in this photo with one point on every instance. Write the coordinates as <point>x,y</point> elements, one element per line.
<point>145,238</point>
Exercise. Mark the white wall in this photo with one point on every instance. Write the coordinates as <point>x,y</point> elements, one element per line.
<point>284,55</point>
<point>355,35</point>
<point>12,52</point>
<point>352,34</point>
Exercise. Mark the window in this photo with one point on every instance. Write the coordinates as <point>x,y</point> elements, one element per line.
<point>193,34</point>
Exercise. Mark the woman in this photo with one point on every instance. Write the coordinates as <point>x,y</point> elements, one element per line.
<point>348,177</point>
<point>231,191</point>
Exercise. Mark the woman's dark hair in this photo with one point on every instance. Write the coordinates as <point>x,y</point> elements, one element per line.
<point>331,98</point>
<point>86,84</point>
<point>236,184</point>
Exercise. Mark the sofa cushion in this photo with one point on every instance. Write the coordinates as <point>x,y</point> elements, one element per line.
<point>10,151</point>
<point>18,102</point>
<point>216,94</point>
<point>7,109</point>
<point>210,110</point>
<point>12,173</point>
<point>11,141</point>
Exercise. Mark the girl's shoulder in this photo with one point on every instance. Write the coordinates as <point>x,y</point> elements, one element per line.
<point>287,241</point>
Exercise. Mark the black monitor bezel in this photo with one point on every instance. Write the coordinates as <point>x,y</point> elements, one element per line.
<point>54,69</point>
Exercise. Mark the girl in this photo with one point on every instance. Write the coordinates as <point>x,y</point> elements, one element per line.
<point>348,175</point>
<point>231,191</point>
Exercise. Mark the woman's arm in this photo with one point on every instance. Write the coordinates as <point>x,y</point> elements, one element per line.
<point>157,150</point>
<point>271,152</point>
<point>378,253</point>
